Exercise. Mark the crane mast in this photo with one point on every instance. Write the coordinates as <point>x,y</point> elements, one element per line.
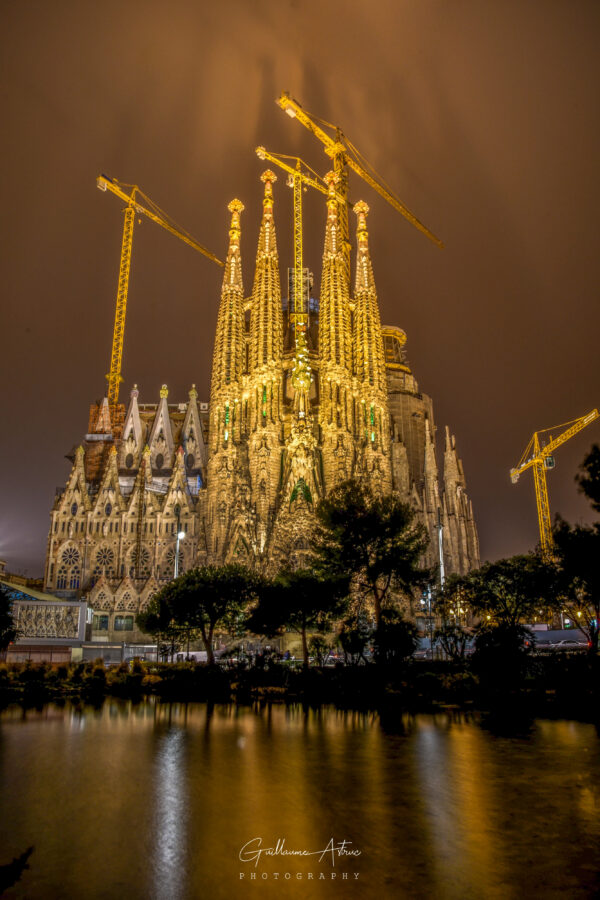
<point>538,456</point>
<point>298,176</point>
<point>151,211</point>
<point>116,355</point>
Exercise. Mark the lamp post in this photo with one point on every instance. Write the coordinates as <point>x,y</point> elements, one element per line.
<point>440,531</point>
<point>180,536</point>
<point>430,619</point>
<point>429,629</point>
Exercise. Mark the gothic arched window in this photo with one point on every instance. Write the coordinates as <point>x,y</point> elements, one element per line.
<point>104,564</point>
<point>70,556</point>
<point>143,569</point>
<point>69,572</point>
<point>166,570</point>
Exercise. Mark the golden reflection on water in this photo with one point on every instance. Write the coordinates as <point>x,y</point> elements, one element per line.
<point>156,801</point>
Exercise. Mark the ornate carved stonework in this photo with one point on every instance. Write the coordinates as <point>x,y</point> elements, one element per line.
<point>47,620</point>
<point>305,393</point>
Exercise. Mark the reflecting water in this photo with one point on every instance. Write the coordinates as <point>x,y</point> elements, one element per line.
<point>157,801</point>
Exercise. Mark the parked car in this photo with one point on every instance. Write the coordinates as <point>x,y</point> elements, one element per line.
<point>568,645</point>
<point>543,645</point>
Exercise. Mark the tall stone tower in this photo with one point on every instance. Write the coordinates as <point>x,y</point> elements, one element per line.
<point>369,368</point>
<point>305,393</point>
<point>227,464</point>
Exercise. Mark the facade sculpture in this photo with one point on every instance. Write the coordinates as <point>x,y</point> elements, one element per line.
<point>298,403</point>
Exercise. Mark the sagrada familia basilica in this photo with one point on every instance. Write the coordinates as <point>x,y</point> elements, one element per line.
<point>305,393</point>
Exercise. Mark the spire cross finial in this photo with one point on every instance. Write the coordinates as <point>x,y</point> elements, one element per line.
<point>164,392</point>
<point>361,209</point>
<point>268,178</point>
<point>236,207</point>
<point>331,179</point>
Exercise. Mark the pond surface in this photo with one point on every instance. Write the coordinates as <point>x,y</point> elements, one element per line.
<point>158,800</point>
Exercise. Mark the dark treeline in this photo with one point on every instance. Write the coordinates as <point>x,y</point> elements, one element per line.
<point>352,604</point>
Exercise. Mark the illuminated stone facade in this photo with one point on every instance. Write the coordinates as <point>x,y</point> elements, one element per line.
<point>294,410</point>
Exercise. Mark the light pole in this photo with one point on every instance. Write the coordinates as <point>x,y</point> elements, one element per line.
<point>440,529</point>
<point>180,537</point>
<point>430,619</point>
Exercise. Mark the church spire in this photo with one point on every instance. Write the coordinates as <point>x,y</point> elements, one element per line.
<point>334,317</point>
<point>266,328</point>
<point>229,339</point>
<point>368,341</point>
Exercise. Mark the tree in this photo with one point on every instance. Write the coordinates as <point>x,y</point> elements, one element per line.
<point>302,600</point>
<point>8,632</point>
<point>355,633</point>
<point>200,601</point>
<point>577,556</point>
<point>509,591</point>
<point>501,651</point>
<point>452,639</point>
<point>504,595</point>
<point>395,639</point>
<point>589,479</point>
<point>320,648</point>
<point>157,620</point>
<point>374,540</point>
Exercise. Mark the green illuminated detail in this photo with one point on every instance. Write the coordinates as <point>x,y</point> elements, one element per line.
<point>303,489</point>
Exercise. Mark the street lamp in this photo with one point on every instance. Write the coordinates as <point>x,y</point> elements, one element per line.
<point>180,537</point>
<point>429,627</point>
<point>430,619</point>
<point>440,531</point>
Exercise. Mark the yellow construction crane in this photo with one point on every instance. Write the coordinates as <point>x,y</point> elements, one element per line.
<point>152,211</point>
<point>345,155</point>
<point>538,456</point>
<point>299,175</point>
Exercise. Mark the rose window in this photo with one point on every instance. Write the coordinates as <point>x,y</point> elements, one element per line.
<point>70,556</point>
<point>142,568</point>
<point>167,569</point>
<point>105,557</point>
<point>69,573</point>
<point>170,556</point>
<point>104,564</point>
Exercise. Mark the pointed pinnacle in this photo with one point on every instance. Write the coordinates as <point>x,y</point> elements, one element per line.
<point>235,207</point>
<point>331,179</point>
<point>267,176</point>
<point>361,209</point>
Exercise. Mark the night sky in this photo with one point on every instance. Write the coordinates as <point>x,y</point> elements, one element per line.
<point>483,116</point>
